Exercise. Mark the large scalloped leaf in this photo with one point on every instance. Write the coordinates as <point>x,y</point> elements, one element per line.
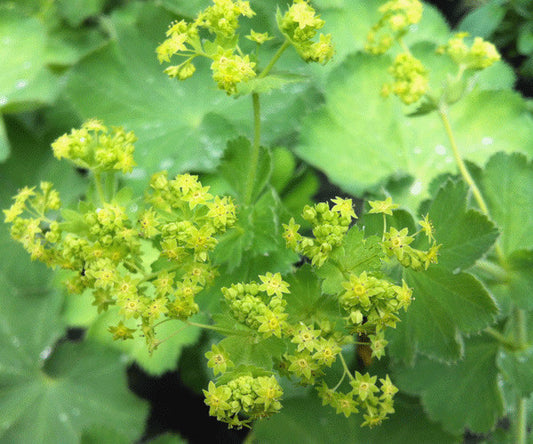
<point>459,396</point>
<point>448,302</point>
<point>305,420</point>
<point>81,385</point>
<point>465,234</point>
<point>176,336</point>
<point>24,77</point>
<point>359,138</point>
<point>507,184</point>
<point>446,306</point>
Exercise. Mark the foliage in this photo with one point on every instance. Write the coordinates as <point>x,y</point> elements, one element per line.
<point>178,228</point>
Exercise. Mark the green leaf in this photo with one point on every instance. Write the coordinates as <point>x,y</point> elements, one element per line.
<point>235,169</point>
<point>25,82</point>
<point>80,385</point>
<point>355,255</point>
<point>283,168</point>
<point>516,369</point>
<point>4,141</point>
<point>103,435</point>
<point>465,234</point>
<point>446,306</point>
<point>506,185</point>
<point>305,420</point>
<point>257,232</point>
<point>176,334</point>
<point>268,83</point>
<point>373,223</point>
<point>482,21</point>
<point>465,395</point>
<point>524,42</point>
<point>359,139</point>
<point>76,11</point>
<point>50,393</point>
<point>306,301</point>
<point>248,350</point>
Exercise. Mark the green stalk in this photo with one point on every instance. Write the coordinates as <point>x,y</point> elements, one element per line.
<point>99,188</point>
<point>443,114</point>
<point>274,59</point>
<point>254,161</point>
<point>219,329</point>
<point>252,171</point>
<point>520,336</point>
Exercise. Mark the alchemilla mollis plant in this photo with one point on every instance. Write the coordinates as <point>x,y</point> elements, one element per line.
<point>362,312</point>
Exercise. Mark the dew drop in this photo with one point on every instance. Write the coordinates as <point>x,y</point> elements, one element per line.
<point>15,341</point>
<point>6,41</point>
<point>166,163</point>
<point>63,417</point>
<point>3,100</point>
<point>417,150</point>
<point>487,140</point>
<point>137,173</point>
<point>416,188</point>
<point>82,139</point>
<point>21,84</point>
<point>448,159</point>
<point>45,353</point>
<point>440,149</point>
<point>76,411</point>
<point>456,270</point>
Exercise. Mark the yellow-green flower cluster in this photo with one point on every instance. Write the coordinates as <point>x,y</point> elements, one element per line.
<point>329,228</point>
<point>371,304</point>
<point>95,147</point>
<point>377,402</point>
<point>411,79</point>
<point>300,25</point>
<point>243,399</point>
<point>103,245</point>
<point>221,21</point>
<point>230,69</point>
<point>31,225</point>
<point>311,351</point>
<point>396,244</point>
<point>260,306</point>
<point>480,55</point>
<point>396,17</point>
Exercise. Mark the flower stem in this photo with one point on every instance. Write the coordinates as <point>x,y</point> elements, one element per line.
<point>274,59</point>
<point>520,336</point>
<point>443,114</point>
<point>346,369</point>
<point>254,161</point>
<point>99,188</point>
<point>219,329</point>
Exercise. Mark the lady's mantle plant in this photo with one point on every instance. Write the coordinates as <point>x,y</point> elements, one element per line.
<point>151,255</point>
